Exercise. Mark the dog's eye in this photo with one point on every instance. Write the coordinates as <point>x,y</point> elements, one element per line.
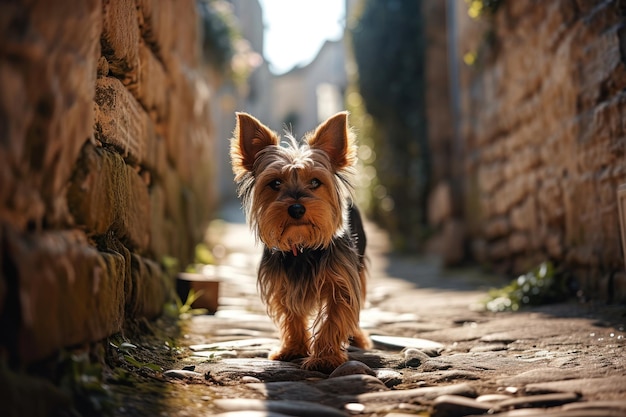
<point>315,183</point>
<point>275,185</point>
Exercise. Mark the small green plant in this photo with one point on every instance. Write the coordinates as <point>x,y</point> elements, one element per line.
<point>184,310</point>
<point>539,286</point>
<point>203,254</point>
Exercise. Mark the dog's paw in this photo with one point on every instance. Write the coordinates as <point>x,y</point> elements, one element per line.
<point>287,355</point>
<point>361,340</point>
<point>325,364</point>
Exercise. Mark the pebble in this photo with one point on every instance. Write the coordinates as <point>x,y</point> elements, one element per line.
<point>389,377</point>
<point>355,408</point>
<point>424,394</point>
<point>235,344</point>
<point>455,405</point>
<point>291,408</point>
<point>182,374</point>
<point>503,337</point>
<point>493,398</point>
<point>414,357</point>
<point>351,384</point>
<point>352,368</point>
<point>246,379</point>
<point>585,386</point>
<point>491,347</point>
<point>215,354</point>
<point>530,401</point>
<point>405,342</point>
<point>557,412</point>
<point>248,413</point>
<point>598,405</point>
<point>541,374</point>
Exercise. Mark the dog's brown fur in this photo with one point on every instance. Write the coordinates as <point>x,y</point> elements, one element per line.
<point>297,198</point>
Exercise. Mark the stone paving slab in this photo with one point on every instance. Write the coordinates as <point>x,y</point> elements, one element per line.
<point>435,353</point>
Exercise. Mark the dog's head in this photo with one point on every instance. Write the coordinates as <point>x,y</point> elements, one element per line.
<point>296,195</point>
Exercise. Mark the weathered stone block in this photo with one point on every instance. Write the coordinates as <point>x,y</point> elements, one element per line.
<point>524,216</point>
<point>518,242</point>
<point>156,22</point>
<point>513,193</point>
<point>188,117</point>
<point>497,227</point>
<point>150,288</point>
<point>120,121</point>
<point>120,38</point>
<point>152,86</point>
<point>439,204</point>
<point>161,22</point>
<point>553,243</point>
<point>159,245</point>
<point>106,195</point>
<point>490,177</point>
<point>68,292</point>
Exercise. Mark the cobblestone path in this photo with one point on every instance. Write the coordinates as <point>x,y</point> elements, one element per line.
<point>434,354</point>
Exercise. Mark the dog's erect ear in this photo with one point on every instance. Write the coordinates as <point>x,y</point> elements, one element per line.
<point>334,137</point>
<point>249,138</point>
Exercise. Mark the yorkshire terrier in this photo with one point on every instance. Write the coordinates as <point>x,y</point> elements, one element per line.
<point>298,199</point>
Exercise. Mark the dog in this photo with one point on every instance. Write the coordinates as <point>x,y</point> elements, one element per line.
<point>297,197</point>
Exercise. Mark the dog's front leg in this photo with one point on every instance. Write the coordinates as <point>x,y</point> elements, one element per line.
<point>294,337</point>
<point>336,323</point>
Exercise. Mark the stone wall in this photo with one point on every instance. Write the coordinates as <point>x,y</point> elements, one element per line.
<point>105,160</point>
<point>543,109</point>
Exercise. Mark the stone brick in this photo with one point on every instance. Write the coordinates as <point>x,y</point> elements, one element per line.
<point>518,242</point>
<point>149,289</point>
<point>161,21</point>
<point>550,202</point>
<point>188,117</point>
<point>158,243</point>
<point>497,227</point>
<point>439,204</point>
<point>490,177</point>
<point>69,293</point>
<point>506,197</point>
<point>106,195</point>
<point>553,243</point>
<point>158,22</point>
<point>524,216</point>
<point>152,86</point>
<point>120,38</point>
<point>119,119</point>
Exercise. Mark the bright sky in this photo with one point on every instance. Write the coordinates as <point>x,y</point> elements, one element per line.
<point>295,30</point>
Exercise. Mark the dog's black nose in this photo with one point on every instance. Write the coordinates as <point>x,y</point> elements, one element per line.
<point>296,211</point>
